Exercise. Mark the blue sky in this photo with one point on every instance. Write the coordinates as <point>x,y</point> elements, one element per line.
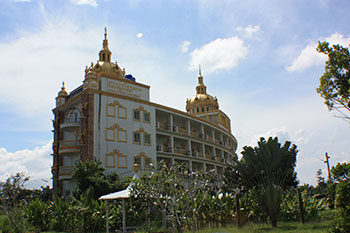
<point>257,57</point>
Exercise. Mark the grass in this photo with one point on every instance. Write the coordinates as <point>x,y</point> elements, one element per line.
<point>318,227</point>
<point>5,224</point>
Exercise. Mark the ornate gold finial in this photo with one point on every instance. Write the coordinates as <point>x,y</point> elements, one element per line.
<point>63,91</point>
<point>200,73</point>
<point>105,33</point>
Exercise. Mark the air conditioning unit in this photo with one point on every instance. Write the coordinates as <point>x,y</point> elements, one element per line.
<point>157,124</point>
<point>188,153</point>
<point>194,153</point>
<point>176,129</point>
<point>170,150</point>
<point>201,135</point>
<point>160,148</point>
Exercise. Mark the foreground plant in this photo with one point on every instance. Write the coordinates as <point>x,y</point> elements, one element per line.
<point>269,170</point>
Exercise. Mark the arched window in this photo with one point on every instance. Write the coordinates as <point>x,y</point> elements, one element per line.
<point>72,115</point>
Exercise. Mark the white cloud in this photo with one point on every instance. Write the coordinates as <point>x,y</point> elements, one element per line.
<point>33,163</point>
<point>220,54</point>
<point>310,57</point>
<point>35,64</point>
<point>299,137</point>
<point>249,31</point>
<point>139,35</point>
<point>83,2</point>
<point>184,46</point>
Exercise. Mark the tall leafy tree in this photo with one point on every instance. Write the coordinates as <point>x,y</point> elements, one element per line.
<point>334,85</point>
<point>90,178</point>
<point>11,201</point>
<point>267,169</point>
<point>176,192</point>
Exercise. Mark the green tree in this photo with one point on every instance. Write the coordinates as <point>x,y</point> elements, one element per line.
<point>334,85</point>
<point>90,178</point>
<point>176,192</point>
<point>10,199</point>
<point>341,221</point>
<point>341,172</point>
<point>268,169</point>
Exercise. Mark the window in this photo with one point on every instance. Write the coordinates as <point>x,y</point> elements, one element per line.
<point>197,109</point>
<point>136,115</point>
<point>202,109</point>
<point>137,161</point>
<point>136,137</point>
<point>73,115</point>
<point>147,163</point>
<point>147,139</point>
<point>146,117</point>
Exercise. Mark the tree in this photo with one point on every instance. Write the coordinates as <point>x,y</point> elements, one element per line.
<point>176,192</point>
<point>268,169</point>
<point>11,202</point>
<point>334,85</point>
<point>341,172</point>
<point>90,177</point>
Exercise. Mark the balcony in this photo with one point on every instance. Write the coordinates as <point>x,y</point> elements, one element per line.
<point>195,134</point>
<point>65,172</point>
<point>70,125</point>
<point>69,146</point>
<point>163,126</point>
<point>180,150</point>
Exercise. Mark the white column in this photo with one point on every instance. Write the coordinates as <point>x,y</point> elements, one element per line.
<point>189,127</point>
<point>171,123</point>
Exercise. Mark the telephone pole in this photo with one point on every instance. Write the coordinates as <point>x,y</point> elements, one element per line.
<point>327,161</point>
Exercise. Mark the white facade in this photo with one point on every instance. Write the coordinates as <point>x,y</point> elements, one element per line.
<point>110,119</point>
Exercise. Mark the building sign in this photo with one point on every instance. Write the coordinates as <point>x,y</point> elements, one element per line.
<point>126,89</point>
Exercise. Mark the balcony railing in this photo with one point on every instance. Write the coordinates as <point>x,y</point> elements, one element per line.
<point>70,124</point>
<point>66,170</point>
<point>69,146</point>
<point>180,150</point>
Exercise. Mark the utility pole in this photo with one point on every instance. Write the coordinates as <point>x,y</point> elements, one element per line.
<point>327,161</point>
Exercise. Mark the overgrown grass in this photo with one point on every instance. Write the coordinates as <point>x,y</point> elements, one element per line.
<point>5,224</point>
<point>317,227</point>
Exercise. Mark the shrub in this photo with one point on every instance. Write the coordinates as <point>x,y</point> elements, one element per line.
<point>341,222</point>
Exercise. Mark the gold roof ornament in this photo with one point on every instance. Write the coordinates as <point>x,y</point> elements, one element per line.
<point>104,66</point>
<point>201,102</point>
<point>63,92</point>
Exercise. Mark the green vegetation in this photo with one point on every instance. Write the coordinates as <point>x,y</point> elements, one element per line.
<point>267,169</point>
<point>334,85</point>
<point>263,183</point>
<point>315,227</point>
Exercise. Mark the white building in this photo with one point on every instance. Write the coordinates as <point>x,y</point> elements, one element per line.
<point>111,119</point>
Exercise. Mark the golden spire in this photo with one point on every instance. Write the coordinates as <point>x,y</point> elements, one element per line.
<point>105,53</point>
<point>63,91</point>
<point>201,88</point>
<point>105,41</point>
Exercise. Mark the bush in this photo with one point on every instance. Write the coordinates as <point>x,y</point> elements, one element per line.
<point>38,215</point>
<point>341,222</point>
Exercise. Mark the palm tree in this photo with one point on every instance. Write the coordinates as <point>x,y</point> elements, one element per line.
<point>267,168</point>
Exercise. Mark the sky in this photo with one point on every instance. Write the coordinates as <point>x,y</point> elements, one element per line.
<point>258,57</point>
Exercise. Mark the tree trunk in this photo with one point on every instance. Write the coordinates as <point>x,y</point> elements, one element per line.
<point>238,211</point>
<point>193,224</point>
<point>273,220</point>
<point>301,208</point>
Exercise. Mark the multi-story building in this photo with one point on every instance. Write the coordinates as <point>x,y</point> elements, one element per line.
<point>110,118</point>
